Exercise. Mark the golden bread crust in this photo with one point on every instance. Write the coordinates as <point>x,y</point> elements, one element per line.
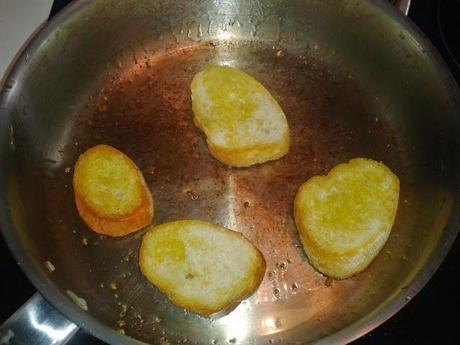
<point>101,219</point>
<point>175,235</point>
<point>345,218</point>
<point>244,125</point>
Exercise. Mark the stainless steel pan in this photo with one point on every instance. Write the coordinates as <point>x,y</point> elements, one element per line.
<point>355,79</point>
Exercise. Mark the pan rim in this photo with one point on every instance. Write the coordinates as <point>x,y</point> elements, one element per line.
<point>355,330</point>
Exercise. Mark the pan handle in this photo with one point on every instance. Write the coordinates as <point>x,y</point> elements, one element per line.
<point>37,323</point>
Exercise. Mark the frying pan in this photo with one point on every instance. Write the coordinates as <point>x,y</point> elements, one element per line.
<point>354,78</point>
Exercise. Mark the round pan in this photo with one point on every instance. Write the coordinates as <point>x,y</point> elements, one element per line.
<point>354,78</point>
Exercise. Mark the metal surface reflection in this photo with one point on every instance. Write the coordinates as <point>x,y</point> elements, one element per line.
<point>36,323</point>
<point>119,73</point>
<point>236,324</point>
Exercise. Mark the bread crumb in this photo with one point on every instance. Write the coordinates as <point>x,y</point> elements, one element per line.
<point>164,341</point>
<point>124,309</point>
<point>49,265</point>
<point>77,300</point>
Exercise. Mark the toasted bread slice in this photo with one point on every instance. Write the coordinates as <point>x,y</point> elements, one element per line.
<point>243,123</point>
<point>110,192</point>
<point>202,267</point>
<point>345,218</point>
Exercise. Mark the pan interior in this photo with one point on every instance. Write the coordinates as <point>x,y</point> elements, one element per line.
<point>346,94</point>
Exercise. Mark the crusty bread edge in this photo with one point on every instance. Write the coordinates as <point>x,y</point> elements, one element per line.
<point>256,280</point>
<point>314,254</point>
<point>121,225</point>
<point>247,156</point>
<point>338,266</point>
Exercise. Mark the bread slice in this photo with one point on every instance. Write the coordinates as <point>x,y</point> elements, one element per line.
<point>110,192</point>
<point>202,267</point>
<point>243,123</point>
<point>345,218</point>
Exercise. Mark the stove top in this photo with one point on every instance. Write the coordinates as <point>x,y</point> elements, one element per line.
<point>432,316</point>
<point>439,20</point>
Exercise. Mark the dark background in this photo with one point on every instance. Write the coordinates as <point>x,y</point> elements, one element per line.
<point>432,317</point>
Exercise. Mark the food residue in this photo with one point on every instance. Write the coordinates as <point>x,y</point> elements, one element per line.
<point>49,265</point>
<point>77,300</point>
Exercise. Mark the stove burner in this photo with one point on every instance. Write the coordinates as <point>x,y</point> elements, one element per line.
<point>448,18</point>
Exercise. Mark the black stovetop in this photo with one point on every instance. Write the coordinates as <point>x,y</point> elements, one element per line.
<point>432,316</point>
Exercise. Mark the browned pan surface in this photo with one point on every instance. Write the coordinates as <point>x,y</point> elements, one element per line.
<point>145,111</point>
